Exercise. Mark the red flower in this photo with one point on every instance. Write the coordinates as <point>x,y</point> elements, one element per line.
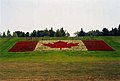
<point>97,45</point>
<point>23,46</point>
<point>61,44</point>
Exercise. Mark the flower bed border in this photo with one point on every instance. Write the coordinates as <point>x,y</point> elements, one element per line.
<point>96,45</point>
<point>23,46</point>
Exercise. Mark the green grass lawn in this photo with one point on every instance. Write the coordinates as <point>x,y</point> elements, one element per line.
<point>60,65</point>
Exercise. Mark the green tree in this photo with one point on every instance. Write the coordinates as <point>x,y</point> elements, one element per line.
<point>15,34</point>
<point>8,33</point>
<point>19,33</point>
<point>27,34</point>
<point>40,33</point>
<point>94,33</point>
<point>67,34</point>
<point>34,33</point>
<point>23,34</point>
<point>81,33</point>
<point>51,32</point>
<point>57,33</point>
<point>115,31</point>
<point>4,35</point>
<point>46,32</point>
<point>105,32</point>
<point>119,30</point>
<point>62,32</point>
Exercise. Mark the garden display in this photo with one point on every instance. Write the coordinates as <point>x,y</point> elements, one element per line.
<point>83,45</point>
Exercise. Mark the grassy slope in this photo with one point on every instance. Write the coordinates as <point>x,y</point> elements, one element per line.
<point>61,56</point>
<point>99,64</point>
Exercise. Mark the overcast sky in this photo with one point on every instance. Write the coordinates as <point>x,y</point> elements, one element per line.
<point>27,15</point>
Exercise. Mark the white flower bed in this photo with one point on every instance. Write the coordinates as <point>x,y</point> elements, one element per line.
<point>40,45</point>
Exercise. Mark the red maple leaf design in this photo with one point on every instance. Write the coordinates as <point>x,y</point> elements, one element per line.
<point>61,44</point>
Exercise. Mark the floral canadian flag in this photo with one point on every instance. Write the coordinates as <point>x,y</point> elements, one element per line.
<point>80,45</point>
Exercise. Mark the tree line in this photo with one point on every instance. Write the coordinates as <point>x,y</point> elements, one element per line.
<point>38,33</point>
<point>62,33</point>
<point>105,32</point>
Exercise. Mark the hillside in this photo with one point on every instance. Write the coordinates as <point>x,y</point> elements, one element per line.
<point>59,65</point>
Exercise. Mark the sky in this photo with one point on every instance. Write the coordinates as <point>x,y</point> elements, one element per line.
<point>72,15</point>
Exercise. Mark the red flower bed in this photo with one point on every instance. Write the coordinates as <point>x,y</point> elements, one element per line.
<point>96,45</point>
<point>24,46</point>
<point>61,44</point>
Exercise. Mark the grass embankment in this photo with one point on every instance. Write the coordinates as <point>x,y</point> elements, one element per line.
<point>79,65</point>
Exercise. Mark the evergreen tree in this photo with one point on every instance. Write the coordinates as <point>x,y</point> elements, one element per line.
<point>105,32</point>
<point>4,35</point>
<point>19,33</point>
<point>98,33</point>
<point>111,32</point>
<point>46,32</point>
<point>51,32</point>
<point>94,33</point>
<point>8,33</point>
<point>34,33</point>
<point>119,30</point>
<point>27,34</point>
<point>62,32</point>
<point>23,34</point>
<point>57,33</point>
<point>81,33</point>
<point>40,33</point>
<point>115,32</point>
